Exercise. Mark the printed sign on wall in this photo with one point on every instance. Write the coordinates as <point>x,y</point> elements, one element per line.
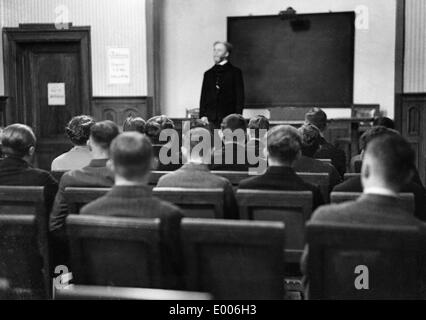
<point>119,65</point>
<point>56,94</point>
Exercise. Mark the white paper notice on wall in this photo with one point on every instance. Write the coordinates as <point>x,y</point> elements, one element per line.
<point>56,94</point>
<point>119,65</point>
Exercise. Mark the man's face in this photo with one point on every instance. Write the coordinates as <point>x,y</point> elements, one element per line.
<point>220,53</point>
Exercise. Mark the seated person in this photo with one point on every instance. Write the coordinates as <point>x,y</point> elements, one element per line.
<point>78,131</point>
<point>355,185</point>
<point>257,131</point>
<point>18,146</point>
<point>306,163</point>
<point>196,174</point>
<point>283,149</point>
<point>231,154</point>
<point>131,160</point>
<point>166,152</point>
<point>96,174</point>
<point>384,122</point>
<point>134,124</point>
<point>387,167</point>
<point>318,118</point>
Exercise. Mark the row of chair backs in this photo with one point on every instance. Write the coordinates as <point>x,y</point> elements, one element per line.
<point>229,259</point>
<point>365,262</point>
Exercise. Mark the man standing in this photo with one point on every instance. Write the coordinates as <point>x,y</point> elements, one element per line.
<point>222,93</point>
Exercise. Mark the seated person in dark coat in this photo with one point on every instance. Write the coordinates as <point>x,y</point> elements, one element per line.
<point>196,151</point>
<point>230,155</point>
<point>96,174</point>
<point>131,160</point>
<point>18,147</point>
<point>318,118</point>
<point>354,184</point>
<point>311,138</point>
<point>387,167</point>
<point>165,141</point>
<point>257,131</point>
<point>283,149</point>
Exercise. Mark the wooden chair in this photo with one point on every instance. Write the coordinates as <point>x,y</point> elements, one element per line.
<point>22,266</point>
<point>155,176</point>
<point>325,161</point>
<point>78,197</point>
<point>348,176</point>
<point>195,203</point>
<point>240,260</point>
<point>80,292</point>
<point>322,180</point>
<point>389,260</point>
<point>234,177</point>
<point>122,252</point>
<point>293,208</point>
<point>407,199</point>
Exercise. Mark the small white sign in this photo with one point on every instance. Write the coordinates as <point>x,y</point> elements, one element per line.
<point>56,94</point>
<point>119,65</point>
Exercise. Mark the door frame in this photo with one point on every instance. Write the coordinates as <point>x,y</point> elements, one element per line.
<point>43,33</point>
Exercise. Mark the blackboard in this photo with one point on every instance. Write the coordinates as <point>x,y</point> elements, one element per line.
<point>305,60</point>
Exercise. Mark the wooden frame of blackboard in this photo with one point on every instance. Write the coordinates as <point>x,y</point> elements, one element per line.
<point>284,104</point>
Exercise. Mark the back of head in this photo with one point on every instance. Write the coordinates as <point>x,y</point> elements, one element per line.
<point>384,122</point>
<point>311,138</point>
<point>284,143</point>
<point>317,117</point>
<point>78,129</point>
<point>134,124</point>
<point>131,154</point>
<point>258,123</point>
<point>373,133</point>
<point>198,140</point>
<point>17,139</point>
<point>389,158</point>
<point>234,122</point>
<point>102,133</point>
<point>155,125</point>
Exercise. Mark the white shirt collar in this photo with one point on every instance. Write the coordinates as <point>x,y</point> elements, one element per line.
<point>222,63</point>
<point>380,191</point>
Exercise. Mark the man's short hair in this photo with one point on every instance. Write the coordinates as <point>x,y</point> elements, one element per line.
<point>17,139</point>
<point>229,47</point>
<point>284,143</point>
<point>196,135</point>
<point>311,139</point>
<point>372,133</point>
<point>155,125</point>
<point>131,153</point>
<point>234,122</point>
<point>78,129</point>
<point>394,156</point>
<point>134,124</point>
<point>317,117</point>
<point>103,132</point>
<point>384,122</point>
<point>258,122</point>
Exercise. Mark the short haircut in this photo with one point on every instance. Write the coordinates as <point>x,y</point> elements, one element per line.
<point>258,122</point>
<point>78,129</point>
<point>132,154</point>
<point>234,122</point>
<point>384,122</point>
<point>196,135</point>
<point>17,139</point>
<point>229,47</point>
<point>284,143</point>
<point>134,124</point>
<point>198,123</point>
<point>102,133</point>
<point>317,117</point>
<point>372,133</point>
<point>311,139</point>
<point>155,125</point>
<point>394,156</point>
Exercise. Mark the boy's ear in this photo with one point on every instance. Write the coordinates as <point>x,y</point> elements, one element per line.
<point>110,165</point>
<point>31,151</point>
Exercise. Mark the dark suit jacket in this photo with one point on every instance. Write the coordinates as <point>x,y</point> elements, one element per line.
<point>337,156</point>
<point>306,164</point>
<point>137,201</point>
<point>216,104</point>
<point>199,176</point>
<point>282,179</point>
<point>232,157</point>
<point>96,174</point>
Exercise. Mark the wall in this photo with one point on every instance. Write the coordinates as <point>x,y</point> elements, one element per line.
<point>114,23</point>
<point>415,47</point>
<point>189,27</point>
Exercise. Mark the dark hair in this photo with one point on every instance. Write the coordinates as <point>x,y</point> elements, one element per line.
<point>234,122</point>
<point>196,135</point>
<point>384,122</point>
<point>317,117</point>
<point>311,139</point>
<point>134,124</point>
<point>131,153</point>
<point>284,143</point>
<point>17,139</point>
<point>229,47</point>
<point>372,133</point>
<point>78,129</point>
<point>198,123</point>
<point>103,133</point>
<point>155,125</point>
<point>395,157</point>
